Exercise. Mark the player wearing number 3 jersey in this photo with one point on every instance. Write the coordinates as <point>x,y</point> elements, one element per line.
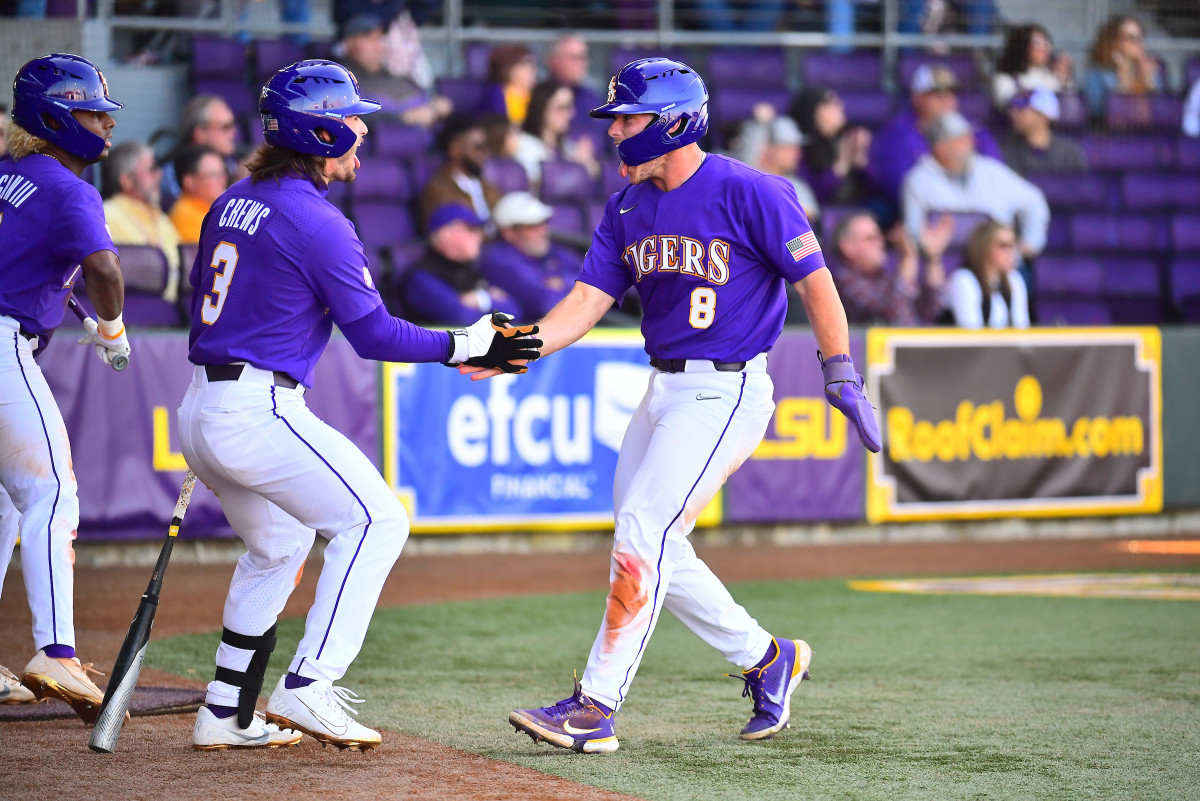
<point>708,243</point>
<point>278,266</point>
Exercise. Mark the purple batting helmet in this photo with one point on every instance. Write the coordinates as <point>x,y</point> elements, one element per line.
<point>48,89</point>
<point>669,89</point>
<point>302,108</point>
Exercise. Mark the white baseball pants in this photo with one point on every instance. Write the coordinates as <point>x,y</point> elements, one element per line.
<point>283,476</point>
<point>691,431</point>
<point>39,489</point>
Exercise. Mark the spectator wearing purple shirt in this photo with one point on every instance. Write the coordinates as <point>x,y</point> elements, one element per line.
<point>535,272</point>
<point>871,293</point>
<point>447,285</point>
<point>902,142</point>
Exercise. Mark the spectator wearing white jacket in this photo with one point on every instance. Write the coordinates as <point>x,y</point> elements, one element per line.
<point>954,178</point>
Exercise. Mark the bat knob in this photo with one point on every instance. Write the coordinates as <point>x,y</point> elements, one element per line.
<point>120,362</point>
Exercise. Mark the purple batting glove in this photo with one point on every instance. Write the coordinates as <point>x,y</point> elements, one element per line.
<point>845,392</point>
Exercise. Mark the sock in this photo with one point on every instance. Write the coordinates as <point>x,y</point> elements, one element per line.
<point>607,712</point>
<point>772,650</point>
<point>294,681</point>
<point>57,651</point>
<point>222,711</point>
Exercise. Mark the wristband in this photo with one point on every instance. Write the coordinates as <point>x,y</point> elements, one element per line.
<point>110,329</point>
<point>459,351</point>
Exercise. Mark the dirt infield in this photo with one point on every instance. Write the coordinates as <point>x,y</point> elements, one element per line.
<point>154,760</point>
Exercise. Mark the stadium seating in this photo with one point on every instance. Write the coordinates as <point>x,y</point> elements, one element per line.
<point>858,70</point>
<point>1107,153</point>
<point>1152,192</point>
<point>1185,289</point>
<point>215,58</point>
<point>1123,233</point>
<point>1072,112</point>
<point>145,271</point>
<point>475,57</point>
<point>398,141</point>
<point>1072,192</point>
<point>869,107</point>
<point>569,219</point>
<point>1140,112</point>
<point>1185,233</point>
<point>272,55</point>
<point>746,68</point>
<point>623,55</point>
<point>566,182</point>
<point>467,94</point>
<point>1133,291</point>
<point>386,180</point>
<point>506,174</point>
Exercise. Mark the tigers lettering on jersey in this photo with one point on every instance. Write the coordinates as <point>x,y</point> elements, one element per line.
<point>244,214</point>
<point>16,189</point>
<point>667,253</point>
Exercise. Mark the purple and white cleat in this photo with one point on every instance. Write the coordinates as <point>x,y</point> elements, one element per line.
<point>577,723</point>
<point>771,687</point>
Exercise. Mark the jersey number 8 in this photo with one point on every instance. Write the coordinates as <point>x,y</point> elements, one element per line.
<point>224,261</point>
<point>704,307</point>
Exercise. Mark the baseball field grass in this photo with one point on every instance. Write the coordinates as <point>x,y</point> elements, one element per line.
<point>912,697</point>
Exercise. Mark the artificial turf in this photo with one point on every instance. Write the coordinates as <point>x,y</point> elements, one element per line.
<point>912,697</point>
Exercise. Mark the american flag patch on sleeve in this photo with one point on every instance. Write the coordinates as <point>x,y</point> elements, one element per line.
<point>803,245</point>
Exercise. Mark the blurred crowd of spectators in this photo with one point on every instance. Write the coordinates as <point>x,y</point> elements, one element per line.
<point>931,216</point>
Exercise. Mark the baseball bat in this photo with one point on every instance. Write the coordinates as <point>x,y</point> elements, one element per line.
<point>128,666</point>
<point>120,361</point>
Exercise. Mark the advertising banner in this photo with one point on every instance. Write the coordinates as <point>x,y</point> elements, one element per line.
<point>1016,423</point>
<point>810,465</point>
<point>536,451</point>
<point>124,438</point>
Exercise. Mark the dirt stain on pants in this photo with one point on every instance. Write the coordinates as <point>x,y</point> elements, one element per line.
<point>626,596</point>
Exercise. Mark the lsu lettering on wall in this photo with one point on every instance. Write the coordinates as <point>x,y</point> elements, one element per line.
<point>1018,423</point>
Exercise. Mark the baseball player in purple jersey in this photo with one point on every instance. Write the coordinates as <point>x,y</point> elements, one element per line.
<point>278,266</point>
<point>708,243</point>
<point>51,230</point>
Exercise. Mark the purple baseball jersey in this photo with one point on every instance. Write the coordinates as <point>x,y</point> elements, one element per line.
<point>278,265</point>
<point>708,259</point>
<point>50,221</point>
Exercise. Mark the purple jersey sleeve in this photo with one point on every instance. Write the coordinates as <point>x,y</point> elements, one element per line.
<point>778,229</point>
<point>78,230</point>
<point>603,266</point>
<point>336,266</point>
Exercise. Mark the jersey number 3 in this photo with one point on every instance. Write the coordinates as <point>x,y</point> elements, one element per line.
<point>704,307</point>
<point>224,262</point>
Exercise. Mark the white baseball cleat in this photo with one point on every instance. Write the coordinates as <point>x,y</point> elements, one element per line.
<point>217,734</point>
<point>67,680</point>
<point>12,691</point>
<point>323,712</point>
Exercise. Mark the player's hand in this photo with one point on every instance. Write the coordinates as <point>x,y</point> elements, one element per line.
<point>845,392</point>
<point>110,339</point>
<point>492,342</point>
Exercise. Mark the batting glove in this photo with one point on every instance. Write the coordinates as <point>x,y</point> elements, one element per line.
<point>492,342</point>
<point>109,338</point>
<point>845,392</point>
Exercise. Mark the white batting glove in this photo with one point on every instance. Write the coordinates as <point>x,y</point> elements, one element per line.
<point>475,339</point>
<point>108,336</point>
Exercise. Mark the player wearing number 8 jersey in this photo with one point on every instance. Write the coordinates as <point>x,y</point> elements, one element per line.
<point>708,243</point>
<point>278,266</point>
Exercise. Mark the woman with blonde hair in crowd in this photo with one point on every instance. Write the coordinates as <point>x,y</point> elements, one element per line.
<point>987,291</point>
<point>1119,63</point>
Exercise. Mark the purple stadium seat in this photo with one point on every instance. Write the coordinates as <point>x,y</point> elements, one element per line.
<point>476,56</point>
<point>1092,232</point>
<point>734,105</point>
<point>506,174</point>
<point>961,64</point>
<point>466,94</point>
<point>144,269</point>
<point>975,106</point>
<point>1133,291</point>
<point>964,224</point>
<point>61,8</point>
<point>1146,192</point>
<point>1191,73</point>
<point>1106,153</point>
<point>252,131</point>
<point>275,54</point>
<point>242,102</point>
<point>859,70</point>
<point>1058,233</point>
<point>1188,154</point>
<point>746,67</point>
<point>1059,311</point>
<point>384,179</point>
<point>867,107</point>
<point>566,182</point>
<point>218,59</point>
<point>1065,191</point>
<point>623,55</point>
<point>1185,288</point>
<point>423,169</point>
<point>1075,276</point>
<point>568,218</point>
<point>611,180</point>
<point>399,141</point>
<point>595,213</point>
<point>404,256</point>
<point>1072,112</point>
<point>339,194</point>
<point>1133,112</point>
<point>381,224</point>
<point>1185,233</point>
